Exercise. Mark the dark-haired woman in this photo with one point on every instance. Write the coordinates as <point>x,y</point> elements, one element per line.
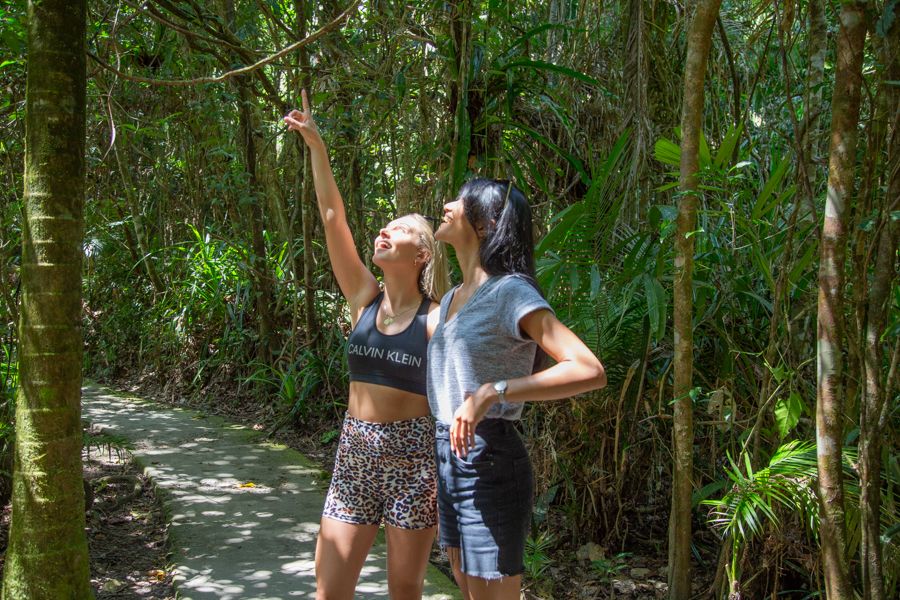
<point>481,369</point>
<point>384,470</point>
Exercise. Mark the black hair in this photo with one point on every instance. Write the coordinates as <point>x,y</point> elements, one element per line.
<point>501,215</point>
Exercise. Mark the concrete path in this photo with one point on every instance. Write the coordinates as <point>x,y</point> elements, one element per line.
<point>231,539</point>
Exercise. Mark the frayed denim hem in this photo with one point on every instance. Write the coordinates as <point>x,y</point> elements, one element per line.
<point>487,576</point>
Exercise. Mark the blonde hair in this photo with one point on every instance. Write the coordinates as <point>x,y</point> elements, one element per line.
<point>434,278</point>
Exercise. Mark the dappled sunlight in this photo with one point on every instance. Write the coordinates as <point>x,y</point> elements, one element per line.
<point>243,515</point>
<point>237,526</point>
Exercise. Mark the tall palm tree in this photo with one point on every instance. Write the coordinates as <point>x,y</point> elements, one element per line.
<point>47,555</point>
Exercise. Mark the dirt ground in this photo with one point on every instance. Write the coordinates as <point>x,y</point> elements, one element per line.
<point>126,530</point>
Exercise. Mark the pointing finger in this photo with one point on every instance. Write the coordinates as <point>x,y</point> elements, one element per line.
<point>305,101</point>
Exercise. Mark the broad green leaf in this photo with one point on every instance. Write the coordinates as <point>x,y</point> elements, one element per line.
<point>657,304</point>
<point>729,142</point>
<point>667,152</point>
<point>769,187</point>
<point>563,224</point>
<point>704,154</point>
<point>800,266</point>
<point>785,195</point>
<point>700,496</point>
<point>596,281</point>
<point>787,413</point>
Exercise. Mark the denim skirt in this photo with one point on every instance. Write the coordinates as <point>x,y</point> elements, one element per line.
<point>485,500</point>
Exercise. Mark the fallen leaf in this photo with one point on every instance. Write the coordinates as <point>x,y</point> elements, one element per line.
<point>249,484</point>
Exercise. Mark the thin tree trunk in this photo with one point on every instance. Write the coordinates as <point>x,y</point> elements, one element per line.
<point>637,66</point>
<point>258,262</point>
<point>874,395</point>
<point>698,44</point>
<point>47,557</point>
<point>301,7</point>
<point>259,270</point>
<point>870,425</point>
<point>829,396</point>
<point>815,79</point>
<point>461,33</point>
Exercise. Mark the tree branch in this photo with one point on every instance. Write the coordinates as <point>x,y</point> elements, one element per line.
<point>334,24</point>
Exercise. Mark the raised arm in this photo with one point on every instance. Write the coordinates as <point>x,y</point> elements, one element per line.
<point>356,282</point>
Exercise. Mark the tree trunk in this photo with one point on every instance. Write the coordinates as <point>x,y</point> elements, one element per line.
<point>815,78</point>
<point>302,8</point>
<point>258,261</point>
<point>461,33</point>
<point>830,331</point>
<point>47,557</point>
<point>871,426</point>
<point>637,109</point>
<point>874,394</point>
<point>698,44</point>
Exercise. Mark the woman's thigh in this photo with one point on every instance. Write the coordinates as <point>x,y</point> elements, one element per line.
<point>341,551</point>
<point>408,551</point>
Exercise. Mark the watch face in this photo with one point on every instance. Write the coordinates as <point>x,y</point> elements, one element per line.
<point>501,386</point>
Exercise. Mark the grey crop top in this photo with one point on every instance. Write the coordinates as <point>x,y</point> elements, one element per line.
<point>399,361</point>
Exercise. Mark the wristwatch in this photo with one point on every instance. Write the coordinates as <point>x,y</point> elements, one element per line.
<point>500,387</point>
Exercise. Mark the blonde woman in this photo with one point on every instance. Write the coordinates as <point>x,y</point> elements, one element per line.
<point>385,468</point>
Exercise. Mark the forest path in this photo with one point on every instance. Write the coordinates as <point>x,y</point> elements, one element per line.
<point>229,539</point>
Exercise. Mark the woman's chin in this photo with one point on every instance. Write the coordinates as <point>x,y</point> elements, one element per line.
<point>390,263</point>
<point>442,235</point>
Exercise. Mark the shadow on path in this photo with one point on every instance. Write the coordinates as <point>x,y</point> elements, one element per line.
<point>231,539</point>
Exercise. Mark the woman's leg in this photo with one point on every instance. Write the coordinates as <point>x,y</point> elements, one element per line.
<point>478,588</point>
<point>461,578</point>
<point>341,550</point>
<point>507,588</point>
<point>407,559</point>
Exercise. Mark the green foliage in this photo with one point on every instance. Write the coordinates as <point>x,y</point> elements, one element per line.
<point>756,497</point>
<point>555,101</point>
<point>787,412</point>
<point>607,568</point>
<point>9,371</point>
<point>751,503</point>
<point>537,555</point>
<point>110,442</point>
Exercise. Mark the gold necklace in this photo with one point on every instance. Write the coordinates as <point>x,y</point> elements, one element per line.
<point>390,318</point>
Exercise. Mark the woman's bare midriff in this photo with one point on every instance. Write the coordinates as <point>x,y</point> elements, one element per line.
<point>381,404</point>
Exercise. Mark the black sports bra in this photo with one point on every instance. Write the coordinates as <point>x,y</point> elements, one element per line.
<point>399,361</point>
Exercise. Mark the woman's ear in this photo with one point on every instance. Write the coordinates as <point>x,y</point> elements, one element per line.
<point>481,231</point>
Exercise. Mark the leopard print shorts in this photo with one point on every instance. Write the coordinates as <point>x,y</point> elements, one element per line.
<point>385,471</point>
